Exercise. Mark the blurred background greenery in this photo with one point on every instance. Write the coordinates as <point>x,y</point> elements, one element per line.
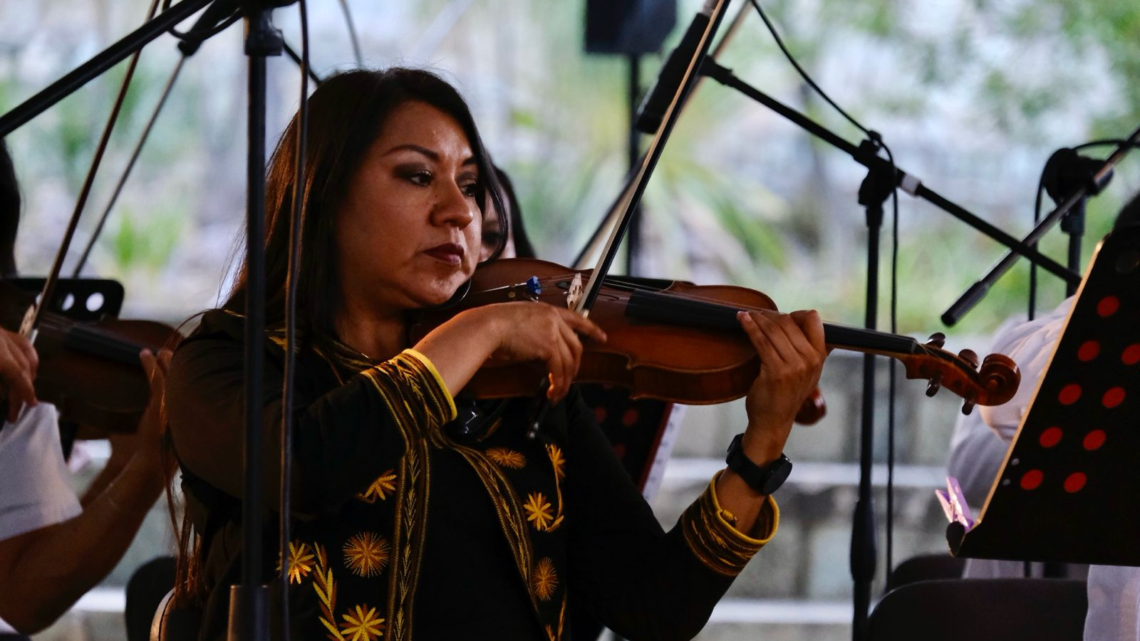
<point>972,95</point>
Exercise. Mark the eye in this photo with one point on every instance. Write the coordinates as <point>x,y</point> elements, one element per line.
<point>470,190</point>
<point>422,178</point>
<point>491,238</point>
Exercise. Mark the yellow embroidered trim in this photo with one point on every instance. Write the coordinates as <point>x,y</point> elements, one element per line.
<point>416,407</point>
<point>715,542</point>
<point>452,413</point>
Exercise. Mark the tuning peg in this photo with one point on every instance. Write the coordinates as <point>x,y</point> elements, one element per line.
<point>934,385</point>
<point>967,407</point>
<point>937,339</point>
<point>970,357</point>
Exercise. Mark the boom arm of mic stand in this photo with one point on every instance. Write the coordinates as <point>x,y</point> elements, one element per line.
<point>103,61</point>
<point>907,182</point>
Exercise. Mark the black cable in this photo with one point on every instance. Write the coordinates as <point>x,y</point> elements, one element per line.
<point>295,220</point>
<point>877,139</point>
<point>352,33</point>
<point>893,373</point>
<point>1033,266</point>
<point>806,77</point>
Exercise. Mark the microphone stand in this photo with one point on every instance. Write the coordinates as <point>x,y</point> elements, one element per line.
<point>249,601</point>
<point>877,186</point>
<point>1092,186</point>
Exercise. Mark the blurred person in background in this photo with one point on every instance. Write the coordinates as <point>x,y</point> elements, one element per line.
<point>54,546</point>
<point>980,443</point>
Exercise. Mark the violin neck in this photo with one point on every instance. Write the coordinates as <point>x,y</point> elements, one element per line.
<point>678,310</point>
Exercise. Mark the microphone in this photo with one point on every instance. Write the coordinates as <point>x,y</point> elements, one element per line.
<point>652,109</point>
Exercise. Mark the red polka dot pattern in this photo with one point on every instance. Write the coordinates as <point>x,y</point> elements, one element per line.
<point>1032,480</point>
<point>1131,354</point>
<point>629,418</point>
<point>1051,437</point>
<point>1107,306</point>
<point>1075,482</point>
<point>1113,397</point>
<point>1088,351</point>
<point>600,414</point>
<point>1069,394</point>
<point>1094,439</point>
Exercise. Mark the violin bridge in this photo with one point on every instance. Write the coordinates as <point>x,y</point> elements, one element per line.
<point>575,292</point>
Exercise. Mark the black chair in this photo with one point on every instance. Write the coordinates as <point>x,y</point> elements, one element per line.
<point>927,567</point>
<point>982,610</point>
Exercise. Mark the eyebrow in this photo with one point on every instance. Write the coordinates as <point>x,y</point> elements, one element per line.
<point>426,152</point>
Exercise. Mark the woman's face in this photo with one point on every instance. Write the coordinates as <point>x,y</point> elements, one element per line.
<point>408,232</point>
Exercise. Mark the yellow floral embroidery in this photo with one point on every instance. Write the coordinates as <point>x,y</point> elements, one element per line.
<point>380,488</point>
<point>507,457</point>
<point>557,461</point>
<point>364,626</point>
<point>325,587</point>
<point>545,579</point>
<point>538,511</point>
<point>366,554</point>
<point>300,562</point>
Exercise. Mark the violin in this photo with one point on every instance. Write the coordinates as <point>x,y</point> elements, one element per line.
<point>683,343</point>
<point>89,370</point>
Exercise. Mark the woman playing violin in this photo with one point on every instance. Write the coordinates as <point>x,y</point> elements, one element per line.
<point>403,529</point>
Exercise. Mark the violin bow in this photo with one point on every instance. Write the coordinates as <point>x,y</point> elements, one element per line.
<point>35,312</point>
<point>607,222</point>
<point>631,196</point>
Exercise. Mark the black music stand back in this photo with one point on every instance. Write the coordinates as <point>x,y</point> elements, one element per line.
<point>1069,490</point>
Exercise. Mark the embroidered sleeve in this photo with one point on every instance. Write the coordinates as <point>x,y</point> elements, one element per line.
<point>710,534</point>
<point>411,375</point>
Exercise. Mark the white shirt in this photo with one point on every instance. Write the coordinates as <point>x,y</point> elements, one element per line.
<point>35,490</point>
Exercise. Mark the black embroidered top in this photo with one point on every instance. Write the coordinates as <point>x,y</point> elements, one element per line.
<point>403,532</point>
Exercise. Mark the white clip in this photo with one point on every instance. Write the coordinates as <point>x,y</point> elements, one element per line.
<point>575,292</point>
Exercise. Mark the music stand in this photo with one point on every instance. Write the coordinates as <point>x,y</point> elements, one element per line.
<point>1067,490</point>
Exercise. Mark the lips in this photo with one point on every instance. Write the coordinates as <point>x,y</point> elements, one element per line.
<point>449,253</point>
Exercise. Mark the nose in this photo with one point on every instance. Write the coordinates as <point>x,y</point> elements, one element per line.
<point>454,207</point>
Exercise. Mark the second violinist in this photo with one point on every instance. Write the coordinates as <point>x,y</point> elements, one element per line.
<point>414,532</point>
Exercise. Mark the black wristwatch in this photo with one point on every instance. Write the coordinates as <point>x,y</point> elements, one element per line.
<point>765,479</point>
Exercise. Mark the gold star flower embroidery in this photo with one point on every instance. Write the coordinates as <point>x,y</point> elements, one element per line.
<point>300,561</point>
<point>362,625</point>
<point>557,461</point>
<point>545,579</point>
<point>381,488</point>
<point>538,511</point>
<point>507,457</point>
<point>366,554</point>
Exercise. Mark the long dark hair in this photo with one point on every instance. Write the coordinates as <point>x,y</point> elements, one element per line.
<point>523,248</point>
<point>10,204</point>
<point>346,114</point>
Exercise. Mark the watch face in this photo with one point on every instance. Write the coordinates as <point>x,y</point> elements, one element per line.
<point>777,473</point>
